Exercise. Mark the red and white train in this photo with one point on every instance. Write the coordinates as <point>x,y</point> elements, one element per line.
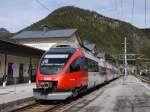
<point>65,71</point>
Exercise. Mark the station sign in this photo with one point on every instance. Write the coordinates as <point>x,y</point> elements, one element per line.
<point>129,57</point>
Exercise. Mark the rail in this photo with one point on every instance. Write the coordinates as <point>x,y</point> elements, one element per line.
<point>143,78</point>
<point>60,106</point>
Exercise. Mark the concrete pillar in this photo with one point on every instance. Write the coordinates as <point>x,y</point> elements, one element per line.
<point>5,75</point>
<point>30,70</point>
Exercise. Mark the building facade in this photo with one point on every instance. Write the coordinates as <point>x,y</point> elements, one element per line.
<point>45,39</point>
<point>18,63</point>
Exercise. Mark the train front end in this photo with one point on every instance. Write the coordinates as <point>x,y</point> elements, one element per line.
<point>53,76</point>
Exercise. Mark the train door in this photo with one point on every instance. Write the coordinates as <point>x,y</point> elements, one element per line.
<point>78,73</point>
<point>105,71</point>
<point>21,78</point>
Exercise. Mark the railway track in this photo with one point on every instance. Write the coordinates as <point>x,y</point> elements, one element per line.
<point>37,107</point>
<point>63,106</point>
<point>143,78</point>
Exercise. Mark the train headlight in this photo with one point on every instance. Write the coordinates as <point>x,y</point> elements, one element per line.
<point>46,85</point>
<point>47,78</point>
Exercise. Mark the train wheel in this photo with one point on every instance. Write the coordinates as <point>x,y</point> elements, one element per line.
<point>75,92</point>
<point>39,101</point>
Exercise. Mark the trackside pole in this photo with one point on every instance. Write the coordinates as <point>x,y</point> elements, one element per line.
<point>125,54</point>
<point>15,85</point>
<point>14,67</point>
<point>125,60</point>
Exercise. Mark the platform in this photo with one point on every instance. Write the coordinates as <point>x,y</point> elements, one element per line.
<point>15,94</point>
<point>119,96</point>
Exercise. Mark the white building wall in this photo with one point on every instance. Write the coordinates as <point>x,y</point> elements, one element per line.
<point>35,61</point>
<point>45,44</point>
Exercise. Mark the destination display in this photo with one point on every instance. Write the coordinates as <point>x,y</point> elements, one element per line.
<point>56,56</point>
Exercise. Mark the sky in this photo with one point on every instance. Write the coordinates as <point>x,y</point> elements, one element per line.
<point>18,14</point>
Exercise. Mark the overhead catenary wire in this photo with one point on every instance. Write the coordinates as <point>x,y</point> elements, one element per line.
<point>44,6</point>
<point>145,14</point>
<point>122,9</point>
<point>116,8</point>
<point>132,12</point>
<point>121,15</point>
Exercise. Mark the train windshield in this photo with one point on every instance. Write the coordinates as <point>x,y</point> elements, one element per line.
<point>53,63</point>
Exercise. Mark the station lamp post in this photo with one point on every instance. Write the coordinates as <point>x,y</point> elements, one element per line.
<point>125,57</point>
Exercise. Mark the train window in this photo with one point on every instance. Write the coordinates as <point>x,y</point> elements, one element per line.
<point>75,66</point>
<point>78,65</point>
<point>103,70</point>
<point>83,64</point>
<point>53,63</point>
<point>92,66</point>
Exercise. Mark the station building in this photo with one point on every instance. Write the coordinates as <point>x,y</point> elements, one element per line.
<point>18,62</point>
<point>44,39</point>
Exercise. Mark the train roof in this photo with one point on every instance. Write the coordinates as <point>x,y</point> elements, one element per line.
<point>103,63</point>
<point>91,56</point>
<point>62,50</point>
<point>70,48</point>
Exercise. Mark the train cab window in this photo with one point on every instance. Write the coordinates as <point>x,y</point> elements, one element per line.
<point>75,66</point>
<point>84,64</point>
<point>78,64</point>
<point>53,63</point>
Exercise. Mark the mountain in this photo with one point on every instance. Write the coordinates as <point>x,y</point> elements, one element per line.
<point>4,30</point>
<point>146,31</point>
<point>5,34</point>
<point>107,33</point>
